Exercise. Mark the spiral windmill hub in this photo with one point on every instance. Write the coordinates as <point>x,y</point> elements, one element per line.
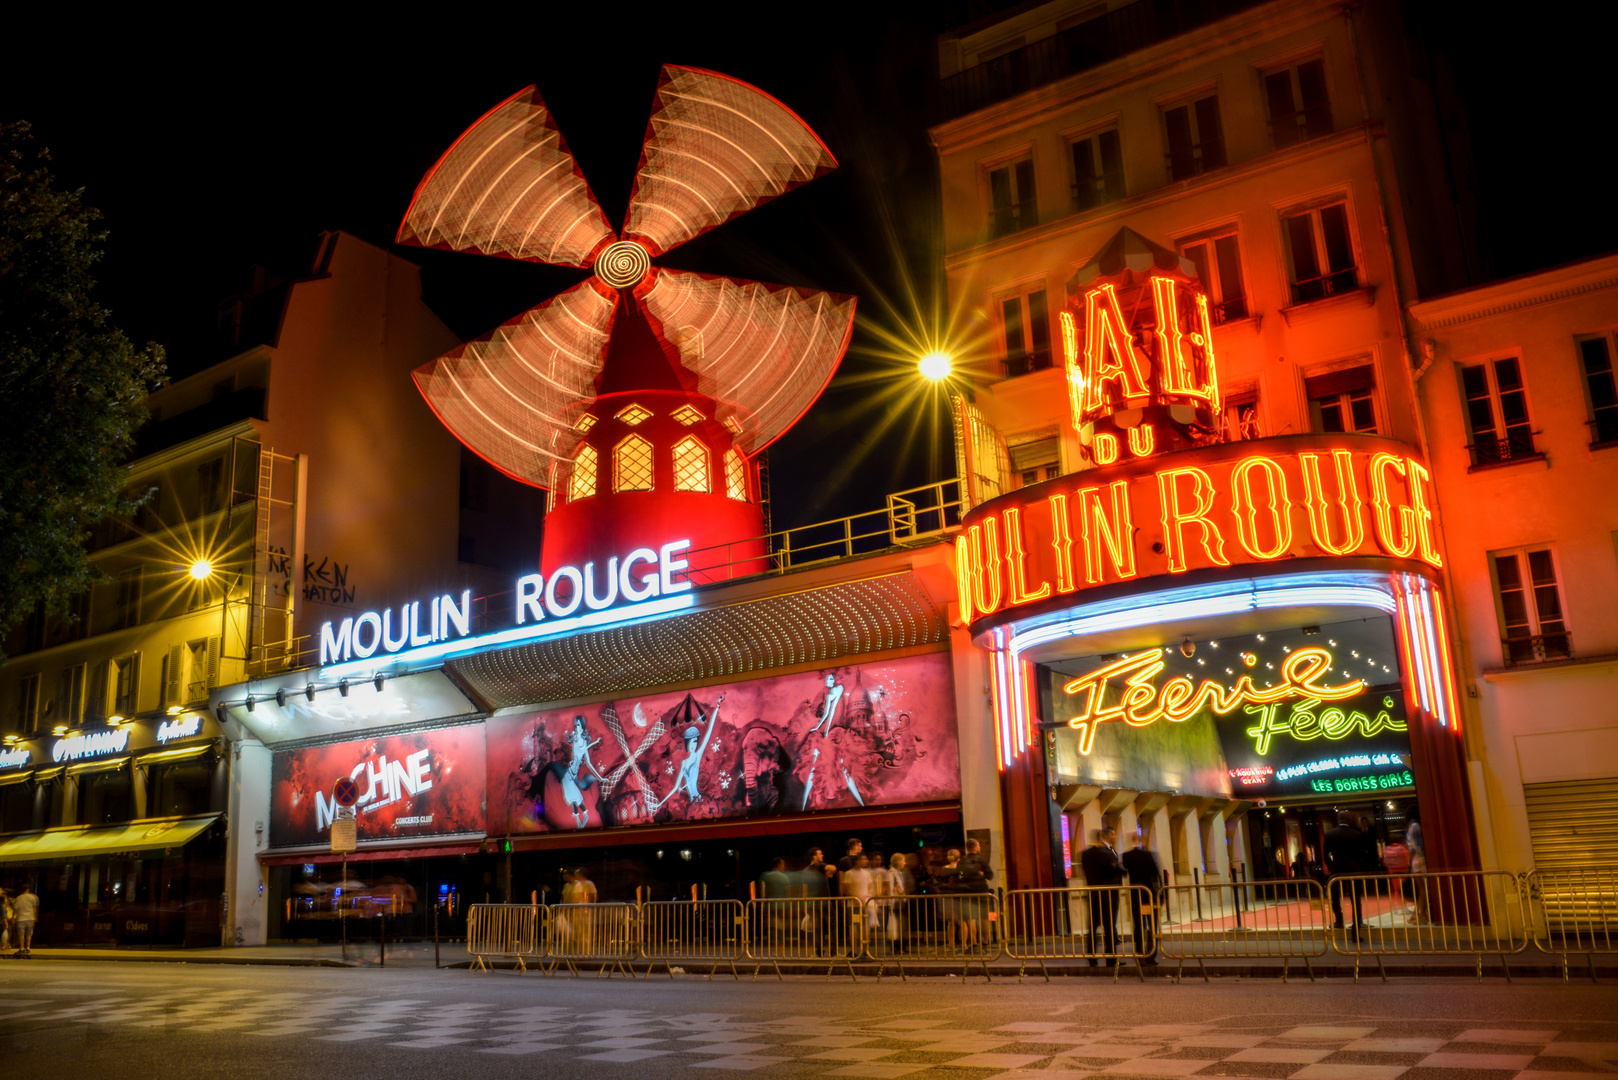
<point>623,264</point>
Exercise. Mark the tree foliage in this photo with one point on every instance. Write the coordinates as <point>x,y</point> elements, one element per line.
<point>72,388</point>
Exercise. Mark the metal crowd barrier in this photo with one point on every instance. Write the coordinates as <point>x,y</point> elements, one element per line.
<point>1283,919</point>
<point>1574,911</point>
<point>692,930</point>
<point>829,928</point>
<point>939,929</point>
<point>1442,913</point>
<point>1082,923</point>
<point>505,931</point>
<point>607,934</point>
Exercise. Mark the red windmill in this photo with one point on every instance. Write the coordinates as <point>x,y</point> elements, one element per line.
<point>641,396</point>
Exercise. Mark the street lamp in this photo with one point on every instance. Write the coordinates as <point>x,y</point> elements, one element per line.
<point>935,366</point>
<point>201,570</point>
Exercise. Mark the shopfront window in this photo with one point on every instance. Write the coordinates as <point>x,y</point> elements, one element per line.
<point>178,789</point>
<point>106,797</point>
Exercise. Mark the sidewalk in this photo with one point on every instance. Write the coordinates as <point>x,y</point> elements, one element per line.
<point>419,955</point>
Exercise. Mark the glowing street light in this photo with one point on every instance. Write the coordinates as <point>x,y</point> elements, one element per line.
<point>201,570</point>
<point>935,366</point>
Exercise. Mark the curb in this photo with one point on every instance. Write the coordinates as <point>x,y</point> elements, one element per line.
<point>242,961</point>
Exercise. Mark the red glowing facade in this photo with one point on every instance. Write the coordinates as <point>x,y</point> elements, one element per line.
<point>641,396</point>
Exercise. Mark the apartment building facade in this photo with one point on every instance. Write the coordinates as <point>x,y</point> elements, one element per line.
<point>302,478</point>
<point>1289,159</point>
<point>1517,388</point>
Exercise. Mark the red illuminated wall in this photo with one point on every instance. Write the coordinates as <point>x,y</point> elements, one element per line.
<point>449,799</point>
<point>891,739</point>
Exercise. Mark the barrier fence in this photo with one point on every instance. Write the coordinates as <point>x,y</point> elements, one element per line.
<point>1283,920</point>
<point>952,928</point>
<point>1088,923</point>
<point>692,931</point>
<point>805,929</point>
<point>1442,913</point>
<point>1575,911</point>
<point>505,932</point>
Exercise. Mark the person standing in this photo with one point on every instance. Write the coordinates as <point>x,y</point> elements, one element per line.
<point>1418,867</point>
<point>1102,874</point>
<point>1344,854</point>
<point>774,883</point>
<point>853,846</point>
<point>1141,865</point>
<point>6,915</point>
<point>26,912</point>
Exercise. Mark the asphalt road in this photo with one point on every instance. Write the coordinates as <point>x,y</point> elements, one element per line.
<point>135,1020</point>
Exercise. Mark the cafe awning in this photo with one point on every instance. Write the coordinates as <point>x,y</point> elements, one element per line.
<point>66,845</point>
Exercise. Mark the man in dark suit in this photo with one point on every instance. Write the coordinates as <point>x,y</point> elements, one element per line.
<point>1102,871</point>
<point>1141,866</point>
<point>1345,851</point>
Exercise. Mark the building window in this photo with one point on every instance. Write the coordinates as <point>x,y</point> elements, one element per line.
<point>28,705</point>
<point>1196,139</point>
<point>202,667</point>
<point>1299,107</point>
<point>150,515</point>
<point>984,461</point>
<point>1011,198</point>
<point>1497,411</point>
<point>632,465</point>
<point>1343,401</point>
<point>1219,268</point>
<point>126,685</point>
<point>686,416</point>
<point>690,465</point>
<point>1098,170</point>
<point>126,599</point>
<point>582,484</point>
<point>1596,353</point>
<point>1241,417</point>
<point>735,476</point>
<point>585,422</point>
<point>1321,253</point>
<point>210,486</point>
<point>1532,628</point>
<point>1035,462</point>
<point>1027,332</point>
<point>632,414</point>
<point>69,705</point>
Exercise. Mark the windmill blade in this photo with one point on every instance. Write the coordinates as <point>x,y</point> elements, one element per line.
<point>509,186</point>
<point>513,394</point>
<point>716,147</point>
<point>763,352</point>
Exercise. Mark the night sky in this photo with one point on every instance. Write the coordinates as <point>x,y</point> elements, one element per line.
<point>228,140</point>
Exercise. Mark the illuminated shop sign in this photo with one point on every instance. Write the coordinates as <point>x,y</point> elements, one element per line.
<point>1384,782</point>
<point>95,744</point>
<point>12,759</point>
<point>1237,503</point>
<point>1139,701</point>
<point>181,727</point>
<point>1334,764</point>
<point>1306,720</point>
<point>637,578</point>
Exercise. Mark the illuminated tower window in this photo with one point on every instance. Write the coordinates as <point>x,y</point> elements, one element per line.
<point>690,465</point>
<point>686,415</point>
<point>632,415</point>
<point>583,483</point>
<point>585,422</point>
<point>733,424</point>
<point>632,465</point>
<point>735,476</point>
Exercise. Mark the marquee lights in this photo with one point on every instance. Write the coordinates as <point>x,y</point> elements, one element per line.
<point>1141,703</point>
<point>1217,512</point>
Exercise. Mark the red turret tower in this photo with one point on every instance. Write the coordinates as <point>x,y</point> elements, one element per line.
<point>640,397</point>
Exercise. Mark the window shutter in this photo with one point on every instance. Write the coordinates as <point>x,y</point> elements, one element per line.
<point>1340,382</point>
<point>173,674</point>
<point>213,661</point>
<point>134,682</point>
<point>97,703</point>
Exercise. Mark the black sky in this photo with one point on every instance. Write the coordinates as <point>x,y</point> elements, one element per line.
<point>221,142</point>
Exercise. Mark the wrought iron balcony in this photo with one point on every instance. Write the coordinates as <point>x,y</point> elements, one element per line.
<point>1514,447</point>
<point>1519,651</point>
